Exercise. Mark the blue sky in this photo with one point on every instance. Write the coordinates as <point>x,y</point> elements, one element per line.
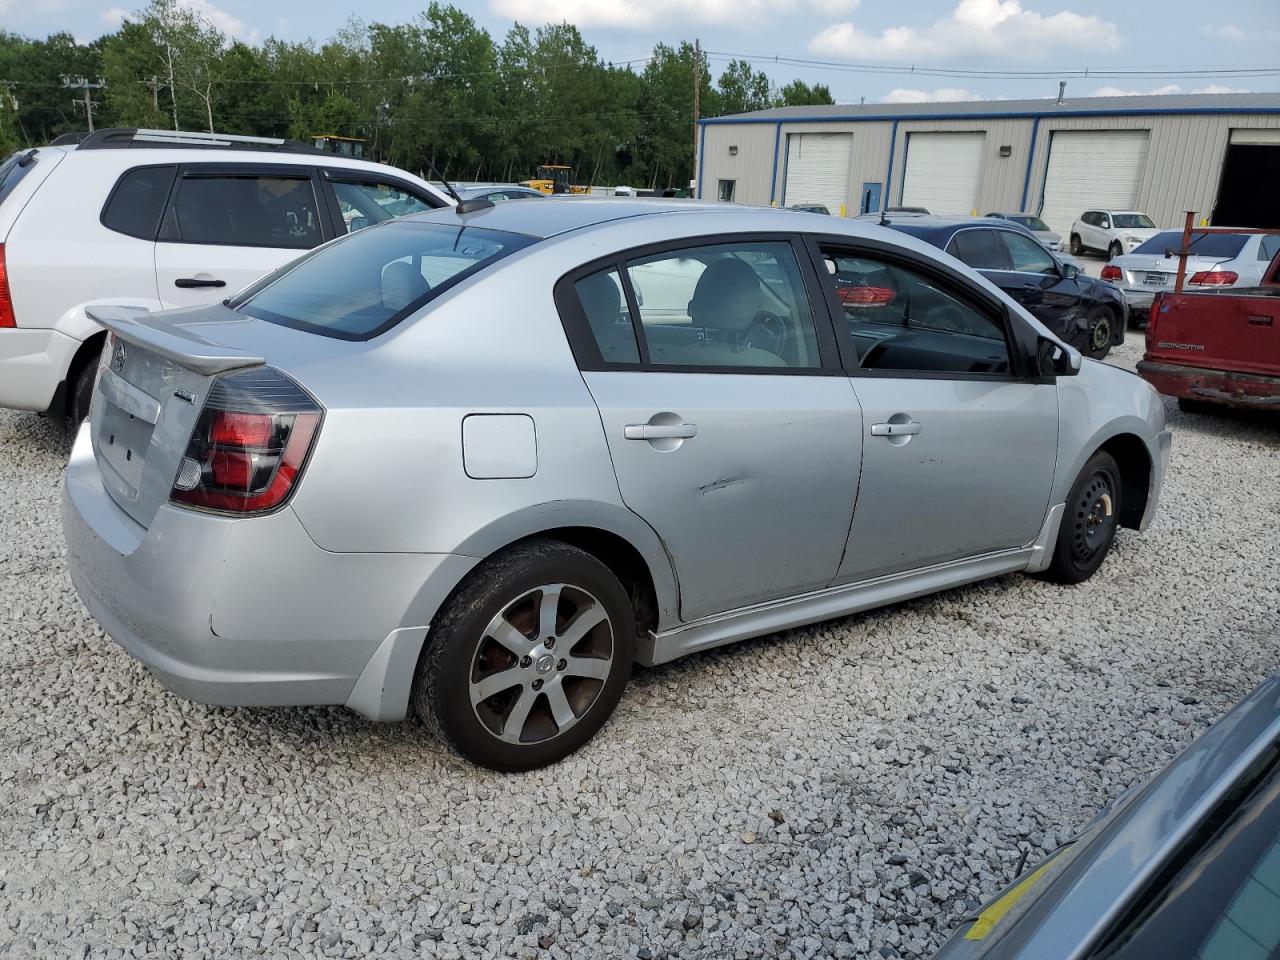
<point>936,35</point>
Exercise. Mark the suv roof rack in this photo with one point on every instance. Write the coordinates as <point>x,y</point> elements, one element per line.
<point>120,138</point>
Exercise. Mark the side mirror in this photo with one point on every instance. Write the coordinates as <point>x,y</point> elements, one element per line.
<point>1055,360</point>
<point>1069,271</point>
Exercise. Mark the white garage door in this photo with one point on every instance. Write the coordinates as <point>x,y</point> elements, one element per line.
<point>818,169</point>
<point>1092,168</point>
<point>1264,137</point>
<point>943,171</point>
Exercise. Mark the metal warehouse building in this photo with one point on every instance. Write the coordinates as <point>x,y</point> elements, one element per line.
<point>1218,154</point>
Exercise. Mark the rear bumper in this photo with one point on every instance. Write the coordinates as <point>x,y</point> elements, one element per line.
<point>33,361</point>
<point>1224,387</point>
<point>250,612</point>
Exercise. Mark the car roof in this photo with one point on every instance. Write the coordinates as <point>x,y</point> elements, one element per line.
<point>931,226</point>
<point>567,213</point>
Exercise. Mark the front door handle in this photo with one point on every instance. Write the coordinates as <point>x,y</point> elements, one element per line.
<point>896,429</point>
<point>186,283</point>
<point>660,431</point>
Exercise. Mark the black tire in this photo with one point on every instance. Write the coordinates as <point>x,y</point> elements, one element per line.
<point>1077,247</point>
<point>1089,523</point>
<point>81,393</point>
<point>453,662</point>
<point>1187,405</point>
<point>1100,330</point>
<point>1114,250</point>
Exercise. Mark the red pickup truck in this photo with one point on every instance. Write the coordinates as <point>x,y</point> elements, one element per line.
<point>1217,347</point>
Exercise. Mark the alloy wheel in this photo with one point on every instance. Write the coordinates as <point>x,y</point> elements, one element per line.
<point>541,663</point>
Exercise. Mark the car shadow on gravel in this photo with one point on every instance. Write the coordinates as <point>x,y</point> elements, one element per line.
<point>40,434</point>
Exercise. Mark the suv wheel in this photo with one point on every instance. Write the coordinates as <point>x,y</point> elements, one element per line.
<point>81,393</point>
<point>529,658</point>
<point>1077,247</point>
<point>1089,524</point>
<point>1114,250</point>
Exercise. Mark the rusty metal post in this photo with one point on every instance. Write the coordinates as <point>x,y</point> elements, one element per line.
<point>1184,251</point>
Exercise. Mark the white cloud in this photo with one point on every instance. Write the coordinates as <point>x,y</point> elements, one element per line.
<point>1227,31</point>
<point>974,27</point>
<point>1168,88</point>
<point>835,8</point>
<point>211,13</point>
<point>941,95</point>
<point>114,17</point>
<point>637,14</point>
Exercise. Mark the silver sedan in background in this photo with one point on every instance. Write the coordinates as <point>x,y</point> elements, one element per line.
<point>1216,261</point>
<point>1032,222</point>
<point>476,465</point>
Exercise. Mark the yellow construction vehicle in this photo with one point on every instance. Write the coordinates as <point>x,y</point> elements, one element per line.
<point>553,178</point>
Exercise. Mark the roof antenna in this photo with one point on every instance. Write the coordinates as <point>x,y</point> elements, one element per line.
<point>461,206</point>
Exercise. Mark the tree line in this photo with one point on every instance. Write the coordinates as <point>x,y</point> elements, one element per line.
<point>438,89</point>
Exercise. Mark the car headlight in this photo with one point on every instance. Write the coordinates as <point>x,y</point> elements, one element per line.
<point>1132,239</point>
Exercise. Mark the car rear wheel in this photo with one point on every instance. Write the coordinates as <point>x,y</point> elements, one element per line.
<point>1077,247</point>
<point>1101,327</point>
<point>528,659</point>
<point>81,394</point>
<point>1114,250</point>
<point>1089,523</point>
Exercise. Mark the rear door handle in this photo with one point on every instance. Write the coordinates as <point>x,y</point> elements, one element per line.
<point>896,429</point>
<point>660,431</point>
<point>186,283</point>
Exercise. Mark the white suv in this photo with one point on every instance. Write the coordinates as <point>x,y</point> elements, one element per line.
<point>187,221</point>
<point>1113,232</point>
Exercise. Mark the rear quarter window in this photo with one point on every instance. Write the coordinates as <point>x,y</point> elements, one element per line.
<point>137,201</point>
<point>13,168</point>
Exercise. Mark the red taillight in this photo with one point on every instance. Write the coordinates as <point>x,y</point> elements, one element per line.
<point>7,319</point>
<point>865,296</point>
<point>1214,278</point>
<point>249,445</point>
<point>1110,272</point>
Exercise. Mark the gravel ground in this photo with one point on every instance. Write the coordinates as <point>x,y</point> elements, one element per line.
<point>841,790</point>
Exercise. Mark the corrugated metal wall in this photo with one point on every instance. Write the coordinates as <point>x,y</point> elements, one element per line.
<point>1184,162</point>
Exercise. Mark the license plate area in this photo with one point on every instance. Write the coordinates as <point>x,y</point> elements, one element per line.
<point>1155,279</point>
<point>123,442</point>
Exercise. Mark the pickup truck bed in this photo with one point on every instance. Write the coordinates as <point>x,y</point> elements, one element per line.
<point>1218,347</point>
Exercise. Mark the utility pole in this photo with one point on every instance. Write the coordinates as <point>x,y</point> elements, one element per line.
<point>697,102</point>
<point>87,104</point>
<point>154,84</point>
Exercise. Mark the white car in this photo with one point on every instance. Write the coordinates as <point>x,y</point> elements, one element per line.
<point>187,221</point>
<point>1113,232</point>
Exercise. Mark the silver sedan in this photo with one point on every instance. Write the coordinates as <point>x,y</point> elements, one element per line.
<point>1215,261</point>
<point>476,465</point>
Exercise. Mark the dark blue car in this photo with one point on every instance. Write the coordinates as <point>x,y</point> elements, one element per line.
<point>1087,313</point>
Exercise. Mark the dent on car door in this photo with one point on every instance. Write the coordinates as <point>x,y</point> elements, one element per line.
<point>733,431</point>
<point>226,227</point>
<point>959,449</point>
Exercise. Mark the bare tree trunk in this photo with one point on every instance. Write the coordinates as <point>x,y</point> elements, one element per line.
<point>173,87</point>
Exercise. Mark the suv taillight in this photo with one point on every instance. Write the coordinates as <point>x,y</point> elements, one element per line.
<point>7,319</point>
<point>1214,278</point>
<point>250,444</point>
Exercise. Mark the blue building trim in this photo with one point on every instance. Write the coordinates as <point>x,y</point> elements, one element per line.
<point>1018,115</point>
<point>888,174</point>
<point>1031,153</point>
<point>702,156</point>
<point>773,184</point>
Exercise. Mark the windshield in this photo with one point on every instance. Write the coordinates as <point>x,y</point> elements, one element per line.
<point>1031,223</point>
<point>1131,221</point>
<point>365,284</point>
<point>1222,245</point>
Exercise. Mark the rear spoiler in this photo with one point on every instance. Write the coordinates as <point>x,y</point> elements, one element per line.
<point>168,339</point>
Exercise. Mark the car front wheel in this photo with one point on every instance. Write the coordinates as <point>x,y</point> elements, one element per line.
<point>1089,524</point>
<point>1077,247</point>
<point>1114,250</point>
<point>529,658</point>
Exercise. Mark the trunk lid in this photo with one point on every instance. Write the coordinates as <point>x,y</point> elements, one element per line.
<point>1157,273</point>
<point>1235,330</point>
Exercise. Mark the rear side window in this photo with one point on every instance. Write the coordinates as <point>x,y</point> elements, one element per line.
<point>368,282</point>
<point>137,202</point>
<point>12,169</point>
<point>247,211</point>
<point>979,249</point>
<point>364,203</point>
<point>1268,248</point>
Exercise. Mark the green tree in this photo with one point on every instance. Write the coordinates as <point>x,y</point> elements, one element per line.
<point>797,93</point>
<point>664,136</point>
<point>743,88</point>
